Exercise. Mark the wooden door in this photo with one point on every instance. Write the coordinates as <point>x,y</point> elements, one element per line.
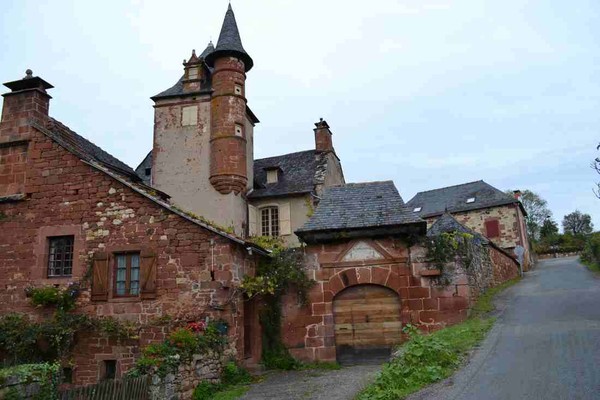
<point>367,323</point>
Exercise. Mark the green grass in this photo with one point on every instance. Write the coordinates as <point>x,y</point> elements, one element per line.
<point>426,359</point>
<point>590,265</point>
<point>231,393</point>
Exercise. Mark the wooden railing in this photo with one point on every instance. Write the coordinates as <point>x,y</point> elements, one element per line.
<point>116,389</point>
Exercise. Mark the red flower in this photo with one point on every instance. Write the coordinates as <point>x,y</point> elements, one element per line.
<point>197,327</point>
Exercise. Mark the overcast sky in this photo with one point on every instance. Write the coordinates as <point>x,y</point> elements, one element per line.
<point>429,93</point>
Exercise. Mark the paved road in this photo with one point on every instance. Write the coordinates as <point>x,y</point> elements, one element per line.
<point>342,384</point>
<point>545,345</point>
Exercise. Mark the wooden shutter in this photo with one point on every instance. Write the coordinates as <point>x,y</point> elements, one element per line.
<point>492,228</point>
<point>100,277</point>
<point>148,275</point>
<point>285,223</point>
<point>252,221</point>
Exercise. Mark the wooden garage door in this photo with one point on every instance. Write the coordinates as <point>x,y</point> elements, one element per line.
<point>367,323</point>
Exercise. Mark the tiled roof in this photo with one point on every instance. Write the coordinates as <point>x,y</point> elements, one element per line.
<point>360,205</point>
<point>299,173</point>
<point>454,199</point>
<point>229,42</point>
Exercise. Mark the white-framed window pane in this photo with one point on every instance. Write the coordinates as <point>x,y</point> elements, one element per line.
<point>121,278</point>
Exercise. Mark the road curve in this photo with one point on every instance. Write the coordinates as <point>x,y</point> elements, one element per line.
<point>545,344</point>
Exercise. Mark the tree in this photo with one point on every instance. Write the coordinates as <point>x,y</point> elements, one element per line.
<point>537,211</point>
<point>578,223</point>
<point>549,228</point>
<point>596,166</point>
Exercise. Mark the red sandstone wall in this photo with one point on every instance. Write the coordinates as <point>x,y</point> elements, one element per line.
<point>505,267</point>
<point>65,196</point>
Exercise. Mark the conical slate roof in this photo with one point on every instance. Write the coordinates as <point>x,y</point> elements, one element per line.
<point>230,43</point>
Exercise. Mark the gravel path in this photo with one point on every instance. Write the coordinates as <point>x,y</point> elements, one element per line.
<point>342,384</point>
<point>545,345</point>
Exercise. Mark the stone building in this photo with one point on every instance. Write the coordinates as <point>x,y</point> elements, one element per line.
<point>72,213</point>
<point>482,208</point>
<point>172,237</point>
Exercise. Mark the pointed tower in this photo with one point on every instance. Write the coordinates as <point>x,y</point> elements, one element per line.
<point>203,134</point>
<point>228,139</point>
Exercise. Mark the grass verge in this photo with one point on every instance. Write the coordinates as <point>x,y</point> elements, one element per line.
<point>426,359</point>
<point>590,265</point>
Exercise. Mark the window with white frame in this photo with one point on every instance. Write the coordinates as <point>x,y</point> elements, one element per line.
<point>269,221</point>
<point>272,176</point>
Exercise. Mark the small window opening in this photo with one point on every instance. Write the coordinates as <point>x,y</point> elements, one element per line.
<point>239,130</point>
<point>237,90</point>
<point>67,375</point>
<point>147,171</point>
<point>110,369</point>
<point>417,209</point>
<point>471,200</point>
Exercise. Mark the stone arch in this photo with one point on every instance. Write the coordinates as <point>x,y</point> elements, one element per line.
<point>347,277</point>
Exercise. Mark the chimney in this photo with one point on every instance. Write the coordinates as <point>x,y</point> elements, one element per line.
<point>323,141</point>
<point>26,101</point>
<point>517,194</point>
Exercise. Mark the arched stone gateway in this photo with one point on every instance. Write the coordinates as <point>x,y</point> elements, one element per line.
<point>367,323</point>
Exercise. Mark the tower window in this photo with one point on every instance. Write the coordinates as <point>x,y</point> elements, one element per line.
<point>239,130</point>
<point>147,171</point>
<point>193,73</point>
<point>237,90</point>
<point>189,116</point>
<point>60,256</point>
<point>270,221</point>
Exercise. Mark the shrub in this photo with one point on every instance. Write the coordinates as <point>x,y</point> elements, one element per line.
<point>205,391</point>
<point>186,341</point>
<point>591,250</point>
<point>234,375</point>
<point>51,296</point>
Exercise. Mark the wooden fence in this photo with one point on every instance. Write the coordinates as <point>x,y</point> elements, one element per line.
<point>116,389</point>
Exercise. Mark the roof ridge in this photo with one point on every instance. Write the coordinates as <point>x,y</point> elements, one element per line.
<point>453,186</point>
<point>366,183</point>
<point>284,155</point>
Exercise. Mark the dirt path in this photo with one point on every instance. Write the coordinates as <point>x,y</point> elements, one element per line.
<point>342,384</point>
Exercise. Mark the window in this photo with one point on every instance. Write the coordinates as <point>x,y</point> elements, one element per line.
<point>60,256</point>
<point>127,274</point>
<point>147,171</point>
<point>272,176</point>
<point>67,375</point>
<point>270,221</point>
<point>193,73</point>
<point>109,369</point>
<point>417,209</point>
<point>189,116</point>
<point>492,228</point>
<point>239,130</point>
<point>237,90</point>
<point>471,200</point>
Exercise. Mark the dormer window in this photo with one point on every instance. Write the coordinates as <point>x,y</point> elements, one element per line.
<point>272,175</point>
<point>417,209</point>
<point>471,200</point>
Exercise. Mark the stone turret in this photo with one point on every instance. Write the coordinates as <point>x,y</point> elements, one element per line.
<point>228,139</point>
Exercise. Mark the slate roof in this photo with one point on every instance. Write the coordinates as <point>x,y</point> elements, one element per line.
<point>229,42</point>
<point>454,199</point>
<point>85,149</point>
<point>447,223</point>
<point>360,205</point>
<point>299,173</point>
<point>145,165</point>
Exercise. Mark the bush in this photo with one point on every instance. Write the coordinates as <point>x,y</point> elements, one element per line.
<point>205,391</point>
<point>234,375</point>
<point>591,250</point>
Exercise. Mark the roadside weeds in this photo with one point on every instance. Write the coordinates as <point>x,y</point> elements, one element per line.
<point>426,359</point>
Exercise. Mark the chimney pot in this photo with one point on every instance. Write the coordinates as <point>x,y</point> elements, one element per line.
<point>323,137</point>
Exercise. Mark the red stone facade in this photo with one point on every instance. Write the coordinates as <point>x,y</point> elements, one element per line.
<point>228,115</point>
<point>194,270</point>
<point>310,331</point>
<point>508,218</point>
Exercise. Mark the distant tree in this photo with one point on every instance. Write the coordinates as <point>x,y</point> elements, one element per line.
<point>537,211</point>
<point>596,166</point>
<point>548,229</point>
<point>578,223</point>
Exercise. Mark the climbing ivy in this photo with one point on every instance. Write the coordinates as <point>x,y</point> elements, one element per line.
<point>450,247</point>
